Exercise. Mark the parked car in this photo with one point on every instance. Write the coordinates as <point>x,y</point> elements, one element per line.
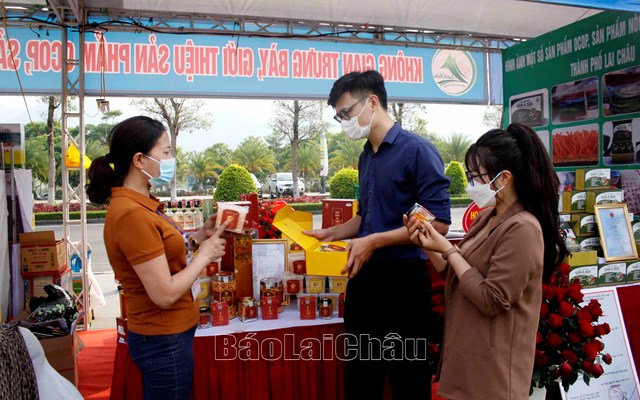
<point>258,185</point>
<point>281,184</point>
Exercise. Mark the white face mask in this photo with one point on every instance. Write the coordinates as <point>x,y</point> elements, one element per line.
<point>352,128</point>
<point>482,194</point>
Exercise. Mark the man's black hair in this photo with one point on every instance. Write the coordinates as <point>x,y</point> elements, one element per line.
<point>359,84</point>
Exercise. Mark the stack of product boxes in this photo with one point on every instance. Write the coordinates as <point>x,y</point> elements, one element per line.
<point>43,262</point>
<point>592,187</point>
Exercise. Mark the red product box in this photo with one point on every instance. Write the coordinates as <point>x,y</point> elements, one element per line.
<point>337,211</point>
<point>213,267</point>
<point>219,314</point>
<point>123,332</point>
<point>269,307</point>
<point>307,307</point>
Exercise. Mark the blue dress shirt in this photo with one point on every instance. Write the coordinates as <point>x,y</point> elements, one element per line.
<point>407,169</point>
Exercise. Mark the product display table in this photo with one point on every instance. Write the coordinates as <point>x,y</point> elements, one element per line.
<point>287,358</point>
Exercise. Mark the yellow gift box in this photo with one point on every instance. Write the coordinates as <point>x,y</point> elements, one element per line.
<point>323,263</point>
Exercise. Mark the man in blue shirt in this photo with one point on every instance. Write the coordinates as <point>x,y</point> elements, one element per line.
<point>388,294</point>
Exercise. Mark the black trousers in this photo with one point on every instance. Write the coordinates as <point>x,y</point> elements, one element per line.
<point>387,308</point>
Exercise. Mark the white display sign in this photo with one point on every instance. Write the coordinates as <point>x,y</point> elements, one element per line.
<point>620,380</point>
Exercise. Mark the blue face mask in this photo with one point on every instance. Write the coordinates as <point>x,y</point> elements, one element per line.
<point>167,170</point>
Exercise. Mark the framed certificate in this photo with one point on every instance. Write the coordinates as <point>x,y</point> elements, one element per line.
<point>269,258</point>
<point>616,236</point>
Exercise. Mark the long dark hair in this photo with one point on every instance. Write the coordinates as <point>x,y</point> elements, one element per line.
<point>133,135</point>
<point>519,150</point>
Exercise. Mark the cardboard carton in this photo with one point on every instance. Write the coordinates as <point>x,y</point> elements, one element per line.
<point>605,197</point>
<point>582,258</point>
<point>612,274</point>
<point>593,179</point>
<point>34,285</point>
<point>41,252</point>
<point>62,354</point>
<point>588,275</point>
<point>318,262</point>
<point>578,202</point>
<point>633,272</point>
<point>584,225</point>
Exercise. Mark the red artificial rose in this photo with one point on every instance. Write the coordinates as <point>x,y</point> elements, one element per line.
<point>607,359</point>
<point>597,370</point>
<point>570,356</point>
<point>594,308</point>
<point>539,338</point>
<point>547,292</point>
<point>541,358</point>
<point>586,329</point>
<point>438,285</point>
<point>554,340</point>
<point>565,370</point>
<point>574,338</point>
<point>437,299</point>
<point>602,329</point>
<point>587,366</point>
<point>599,345</point>
<point>584,315</point>
<point>566,309</point>
<point>544,310</point>
<point>564,269</point>
<point>575,291</point>
<point>438,310</point>
<point>590,350</point>
<point>560,293</point>
<point>554,321</point>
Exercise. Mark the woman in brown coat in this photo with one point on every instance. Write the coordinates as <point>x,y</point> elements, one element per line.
<point>494,279</point>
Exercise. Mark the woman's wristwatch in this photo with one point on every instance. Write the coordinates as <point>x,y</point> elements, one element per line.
<point>450,251</point>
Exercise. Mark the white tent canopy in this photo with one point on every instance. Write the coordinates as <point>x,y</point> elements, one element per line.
<point>497,18</point>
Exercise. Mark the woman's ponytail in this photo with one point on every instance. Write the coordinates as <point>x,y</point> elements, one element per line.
<point>101,178</point>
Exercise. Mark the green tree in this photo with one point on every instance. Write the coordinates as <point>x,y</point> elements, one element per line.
<point>346,153</point>
<point>233,182</point>
<point>220,155</point>
<point>37,158</point>
<point>182,165</point>
<point>298,121</point>
<point>342,184</point>
<point>493,117</point>
<point>455,148</point>
<point>308,161</point>
<point>455,172</point>
<point>254,154</point>
<point>276,144</point>
<point>410,116</point>
<point>202,167</point>
<point>178,115</point>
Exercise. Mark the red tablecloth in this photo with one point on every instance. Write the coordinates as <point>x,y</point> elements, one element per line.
<point>282,378</point>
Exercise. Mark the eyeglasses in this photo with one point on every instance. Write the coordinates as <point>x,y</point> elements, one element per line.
<point>472,177</point>
<point>344,114</point>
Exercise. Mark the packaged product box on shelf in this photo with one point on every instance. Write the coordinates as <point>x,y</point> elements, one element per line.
<point>297,262</point>
<point>588,275</point>
<point>337,211</point>
<point>41,252</point>
<point>605,197</point>
<point>584,225</point>
<point>325,259</point>
<point>307,307</point>
<point>577,202</point>
<point>564,218</point>
<point>593,178</point>
<point>338,284</point>
<point>293,284</point>
<point>582,258</point>
<point>612,274</point>
<point>635,227</point>
<point>588,243</point>
<point>633,272</point>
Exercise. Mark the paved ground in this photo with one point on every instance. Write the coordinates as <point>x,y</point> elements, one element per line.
<point>105,317</point>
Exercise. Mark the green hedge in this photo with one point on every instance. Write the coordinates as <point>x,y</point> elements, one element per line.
<point>307,206</point>
<point>57,216</point>
<point>460,201</point>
